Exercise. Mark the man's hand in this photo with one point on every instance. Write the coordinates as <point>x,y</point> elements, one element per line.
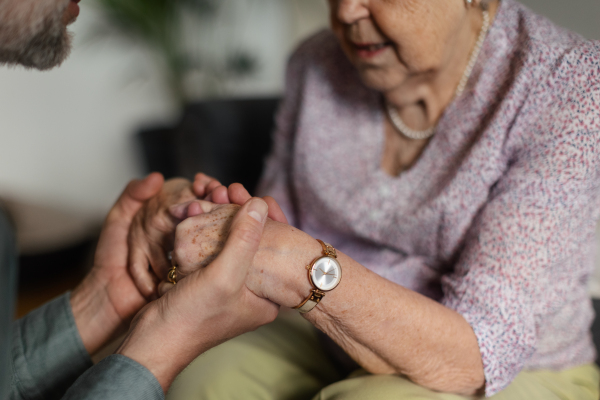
<point>107,299</point>
<point>152,233</point>
<point>207,308</point>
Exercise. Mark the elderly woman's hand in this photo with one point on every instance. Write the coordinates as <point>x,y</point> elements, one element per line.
<point>152,231</point>
<point>210,306</point>
<point>202,235</point>
<point>211,190</point>
<point>151,235</point>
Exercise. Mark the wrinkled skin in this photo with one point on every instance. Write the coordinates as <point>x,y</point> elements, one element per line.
<point>210,306</point>
<point>201,237</point>
<point>152,231</point>
<point>207,234</point>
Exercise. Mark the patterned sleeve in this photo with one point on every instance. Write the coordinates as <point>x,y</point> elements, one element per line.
<point>526,255</point>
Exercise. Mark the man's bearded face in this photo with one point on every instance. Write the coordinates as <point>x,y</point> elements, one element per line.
<point>34,33</point>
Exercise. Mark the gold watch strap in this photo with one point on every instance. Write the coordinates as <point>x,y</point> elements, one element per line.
<point>310,302</point>
<point>328,250</point>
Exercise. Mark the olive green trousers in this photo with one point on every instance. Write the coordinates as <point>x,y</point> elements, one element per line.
<point>285,361</point>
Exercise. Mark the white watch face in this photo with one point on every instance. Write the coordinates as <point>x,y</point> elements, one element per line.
<point>326,273</point>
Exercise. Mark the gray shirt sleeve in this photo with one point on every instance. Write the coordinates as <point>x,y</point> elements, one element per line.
<point>8,283</point>
<point>117,378</point>
<point>42,354</point>
<point>47,352</point>
<point>48,357</point>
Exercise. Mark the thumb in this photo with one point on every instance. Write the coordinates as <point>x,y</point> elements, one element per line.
<point>134,195</point>
<point>242,243</point>
<point>239,195</point>
<point>112,246</point>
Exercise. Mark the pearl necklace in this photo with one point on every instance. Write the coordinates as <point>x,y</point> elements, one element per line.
<point>426,134</point>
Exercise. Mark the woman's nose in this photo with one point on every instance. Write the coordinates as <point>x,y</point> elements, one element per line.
<point>350,11</point>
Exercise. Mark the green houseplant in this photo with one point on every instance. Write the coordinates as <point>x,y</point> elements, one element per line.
<point>196,45</point>
<point>165,27</point>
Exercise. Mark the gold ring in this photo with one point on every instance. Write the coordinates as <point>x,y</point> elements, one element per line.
<point>172,276</point>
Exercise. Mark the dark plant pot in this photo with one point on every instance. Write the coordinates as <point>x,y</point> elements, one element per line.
<point>226,139</point>
<point>158,149</point>
<point>596,329</point>
<point>51,266</point>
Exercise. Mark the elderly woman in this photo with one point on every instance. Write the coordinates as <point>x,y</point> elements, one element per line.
<point>448,150</point>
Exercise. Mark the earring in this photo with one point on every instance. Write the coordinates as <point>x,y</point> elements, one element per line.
<point>468,3</point>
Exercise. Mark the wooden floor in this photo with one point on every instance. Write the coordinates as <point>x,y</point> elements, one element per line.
<point>43,277</point>
<point>66,270</point>
<point>31,297</point>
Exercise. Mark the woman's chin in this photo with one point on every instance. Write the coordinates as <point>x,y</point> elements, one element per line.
<point>381,73</point>
<point>380,79</point>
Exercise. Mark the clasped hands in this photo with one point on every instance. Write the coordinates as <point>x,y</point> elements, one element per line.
<point>222,246</point>
<point>195,229</point>
<point>225,246</point>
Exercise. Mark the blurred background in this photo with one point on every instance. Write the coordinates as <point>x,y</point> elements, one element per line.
<point>177,86</point>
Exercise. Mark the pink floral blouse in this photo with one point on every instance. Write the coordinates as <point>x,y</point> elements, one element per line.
<point>497,218</point>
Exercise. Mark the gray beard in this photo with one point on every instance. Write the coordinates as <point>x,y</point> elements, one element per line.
<point>45,49</point>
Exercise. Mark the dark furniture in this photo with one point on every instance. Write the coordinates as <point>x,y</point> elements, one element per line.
<point>596,330</point>
<point>226,139</point>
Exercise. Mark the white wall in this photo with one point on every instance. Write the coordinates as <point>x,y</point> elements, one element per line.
<point>581,16</point>
<point>65,135</point>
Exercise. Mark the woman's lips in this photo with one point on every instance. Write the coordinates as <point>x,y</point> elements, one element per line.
<point>370,50</point>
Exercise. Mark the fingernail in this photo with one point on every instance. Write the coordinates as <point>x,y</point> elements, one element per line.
<point>179,211</point>
<point>195,209</point>
<point>258,210</point>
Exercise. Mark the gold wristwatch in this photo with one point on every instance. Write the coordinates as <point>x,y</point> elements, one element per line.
<point>324,274</point>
